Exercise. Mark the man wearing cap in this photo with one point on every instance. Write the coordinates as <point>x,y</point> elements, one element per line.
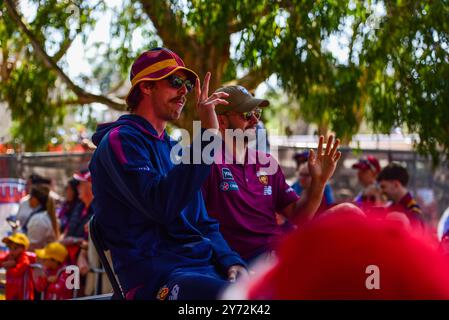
<point>246,187</point>
<point>367,170</point>
<point>151,211</point>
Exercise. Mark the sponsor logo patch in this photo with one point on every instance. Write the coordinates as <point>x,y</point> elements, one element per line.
<point>267,191</point>
<point>229,186</point>
<point>174,293</point>
<point>227,174</point>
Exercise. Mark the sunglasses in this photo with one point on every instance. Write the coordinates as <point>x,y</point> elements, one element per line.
<point>248,115</point>
<point>177,82</point>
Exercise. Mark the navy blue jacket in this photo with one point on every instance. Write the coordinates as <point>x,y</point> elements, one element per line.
<point>162,223</point>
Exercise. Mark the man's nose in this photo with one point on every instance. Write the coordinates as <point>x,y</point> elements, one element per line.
<point>183,90</point>
<point>253,119</point>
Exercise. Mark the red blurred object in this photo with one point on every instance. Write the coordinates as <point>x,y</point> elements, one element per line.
<point>333,258</point>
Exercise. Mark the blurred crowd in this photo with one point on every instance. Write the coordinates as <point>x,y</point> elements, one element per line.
<point>50,233</point>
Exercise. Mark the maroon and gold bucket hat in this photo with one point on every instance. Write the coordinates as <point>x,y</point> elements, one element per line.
<point>157,64</point>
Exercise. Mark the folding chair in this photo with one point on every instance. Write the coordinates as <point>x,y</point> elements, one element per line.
<point>101,248</point>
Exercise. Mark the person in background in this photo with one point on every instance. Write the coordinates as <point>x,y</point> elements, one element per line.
<point>305,180</point>
<point>24,205</point>
<point>393,181</point>
<point>19,282</point>
<point>367,170</point>
<point>52,280</point>
<point>373,200</point>
<point>41,226</point>
<point>72,201</point>
<point>75,236</point>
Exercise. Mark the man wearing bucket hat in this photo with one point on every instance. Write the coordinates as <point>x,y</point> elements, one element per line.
<point>19,283</point>
<point>151,211</point>
<point>246,188</point>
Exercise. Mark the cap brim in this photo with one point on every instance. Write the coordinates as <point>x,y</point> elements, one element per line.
<point>245,107</point>
<point>40,253</point>
<point>190,74</point>
<point>359,166</point>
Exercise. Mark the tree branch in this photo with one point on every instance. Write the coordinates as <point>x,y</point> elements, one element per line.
<point>49,63</point>
<point>65,45</point>
<point>169,27</point>
<point>252,79</point>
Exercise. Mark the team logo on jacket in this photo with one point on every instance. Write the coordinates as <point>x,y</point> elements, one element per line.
<point>263,178</point>
<point>162,293</point>
<point>229,186</point>
<point>227,174</point>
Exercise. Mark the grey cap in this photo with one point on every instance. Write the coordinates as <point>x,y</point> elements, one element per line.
<point>240,100</point>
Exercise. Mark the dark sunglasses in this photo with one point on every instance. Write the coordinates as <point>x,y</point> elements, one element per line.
<point>177,82</point>
<point>248,115</point>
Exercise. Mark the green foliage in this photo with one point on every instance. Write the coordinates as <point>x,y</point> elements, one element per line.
<point>395,73</point>
<point>31,90</point>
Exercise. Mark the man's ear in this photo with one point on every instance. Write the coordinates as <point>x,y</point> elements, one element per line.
<point>223,121</point>
<point>145,87</point>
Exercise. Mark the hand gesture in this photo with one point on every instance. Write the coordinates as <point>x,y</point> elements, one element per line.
<point>322,165</point>
<point>205,105</point>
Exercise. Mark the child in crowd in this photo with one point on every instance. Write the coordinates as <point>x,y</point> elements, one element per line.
<point>19,281</point>
<point>53,280</point>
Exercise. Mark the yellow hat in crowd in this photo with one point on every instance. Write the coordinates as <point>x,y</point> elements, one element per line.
<point>18,238</point>
<point>53,250</point>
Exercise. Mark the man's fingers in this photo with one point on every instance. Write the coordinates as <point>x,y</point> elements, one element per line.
<point>337,156</point>
<point>205,89</point>
<point>219,95</point>
<point>232,275</point>
<point>197,90</point>
<point>217,101</point>
<point>329,144</point>
<point>334,149</point>
<point>320,146</point>
<point>311,158</point>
